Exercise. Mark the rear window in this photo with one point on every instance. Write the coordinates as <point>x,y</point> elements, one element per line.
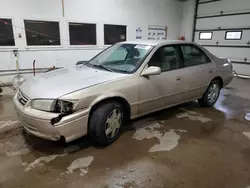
<point>192,56</point>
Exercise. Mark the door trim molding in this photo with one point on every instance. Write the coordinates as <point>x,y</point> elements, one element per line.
<point>165,107</point>
<point>160,97</point>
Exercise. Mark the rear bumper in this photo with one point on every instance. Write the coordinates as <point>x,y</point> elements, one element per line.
<point>227,80</point>
<point>38,123</point>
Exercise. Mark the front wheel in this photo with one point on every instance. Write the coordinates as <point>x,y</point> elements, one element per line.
<point>211,95</point>
<point>105,123</point>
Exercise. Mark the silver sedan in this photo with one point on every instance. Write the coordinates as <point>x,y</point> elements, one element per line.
<point>125,81</point>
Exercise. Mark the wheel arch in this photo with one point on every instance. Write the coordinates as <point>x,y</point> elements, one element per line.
<point>219,79</point>
<point>105,99</point>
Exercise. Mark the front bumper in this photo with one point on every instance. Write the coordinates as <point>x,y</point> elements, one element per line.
<point>38,123</point>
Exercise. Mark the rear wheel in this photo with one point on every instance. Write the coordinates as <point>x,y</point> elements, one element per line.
<point>211,95</point>
<point>105,123</point>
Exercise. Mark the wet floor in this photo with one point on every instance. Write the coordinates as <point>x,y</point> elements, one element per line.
<point>185,146</point>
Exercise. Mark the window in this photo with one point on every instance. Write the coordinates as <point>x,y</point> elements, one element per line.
<point>6,33</point>
<point>42,33</point>
<point>114,34</point>
<point>233,35</point>
<point>119,55</point>
<point>166,58</point>
<point>82,34</point>
<point>206,35</point>
<point>192,56</point>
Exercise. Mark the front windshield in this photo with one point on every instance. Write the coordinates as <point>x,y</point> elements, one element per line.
<point>121,57</point>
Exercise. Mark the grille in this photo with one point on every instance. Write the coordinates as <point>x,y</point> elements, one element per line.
<point>22,98</point>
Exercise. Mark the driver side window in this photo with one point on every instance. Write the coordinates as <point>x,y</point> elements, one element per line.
<point>166,57</point>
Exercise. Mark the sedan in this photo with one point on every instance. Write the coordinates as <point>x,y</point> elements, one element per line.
<point>125,81</point>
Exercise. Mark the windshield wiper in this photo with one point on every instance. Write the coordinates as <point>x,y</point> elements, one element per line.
<point>88,64</point>
<point>123,71</point>
<point>103,67</point>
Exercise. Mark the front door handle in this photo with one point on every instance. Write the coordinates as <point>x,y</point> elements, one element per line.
<point>210,71</point>
<point>179,78</point>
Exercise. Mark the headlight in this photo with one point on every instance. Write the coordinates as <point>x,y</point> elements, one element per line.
<point>51,105</point>
<point>44,105</point>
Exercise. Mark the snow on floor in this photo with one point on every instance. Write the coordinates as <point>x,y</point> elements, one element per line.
<point>8,123</point>
<point>247,134</point>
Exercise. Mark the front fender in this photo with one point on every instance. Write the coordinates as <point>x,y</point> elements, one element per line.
<point>105,97</point>
<point>91,100</point>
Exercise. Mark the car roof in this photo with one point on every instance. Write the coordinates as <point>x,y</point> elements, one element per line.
<point>155,42</point>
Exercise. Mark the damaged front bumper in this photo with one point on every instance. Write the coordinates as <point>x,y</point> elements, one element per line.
<point>38,123</point>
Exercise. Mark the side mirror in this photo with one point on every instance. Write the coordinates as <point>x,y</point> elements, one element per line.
<point>153,70</point>
<point>81,62</point>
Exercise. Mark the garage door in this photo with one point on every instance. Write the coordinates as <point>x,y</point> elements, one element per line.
<point>223,27</point>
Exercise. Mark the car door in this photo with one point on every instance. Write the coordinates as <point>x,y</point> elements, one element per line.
<point>198,71</point>
<point>165,89</point>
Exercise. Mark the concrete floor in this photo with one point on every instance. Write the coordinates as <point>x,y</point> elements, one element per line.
<point>185,146</point>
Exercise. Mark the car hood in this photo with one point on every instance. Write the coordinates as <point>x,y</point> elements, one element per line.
<point>60,82</point>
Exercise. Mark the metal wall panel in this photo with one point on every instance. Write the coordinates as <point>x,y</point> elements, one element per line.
<point>218,17</point>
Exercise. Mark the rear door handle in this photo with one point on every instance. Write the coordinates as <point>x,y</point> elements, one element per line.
<point>179,78</point>
<point>210,71</point>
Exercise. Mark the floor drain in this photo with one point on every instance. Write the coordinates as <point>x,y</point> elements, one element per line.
<point>247,116</point>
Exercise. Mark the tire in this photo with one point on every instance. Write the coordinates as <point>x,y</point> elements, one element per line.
<point>209,98</point>
<point>102,121</point>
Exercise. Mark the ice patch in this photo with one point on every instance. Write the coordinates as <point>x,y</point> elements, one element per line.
<point>42,160</point>
<point>83,171</point>
<point>247,134</point>
<point>141,171</point>
<point>147,132</point>
<point>247,116</point>
<point>25,164</point>
<point>193,116</point>
<point>20,152</point>
<point>181,131</point>
<point>168,140</point>
<point>82,164</point>
<point>8,123</point>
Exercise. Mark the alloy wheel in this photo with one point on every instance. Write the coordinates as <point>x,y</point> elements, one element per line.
<point>113,123</point>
